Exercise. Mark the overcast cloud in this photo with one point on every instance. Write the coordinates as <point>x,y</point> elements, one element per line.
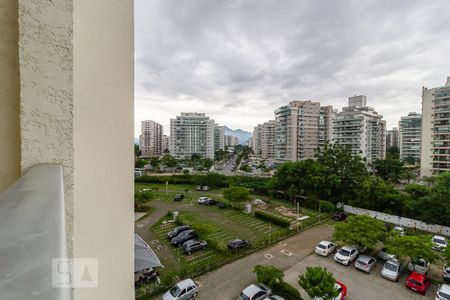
<point>238,61</point>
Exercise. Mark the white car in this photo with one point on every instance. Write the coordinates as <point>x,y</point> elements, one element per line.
<point>439,242</point>
<point>202,200</point>
<point>183,290</point>
<point>325,248</point>
<point>400,230</point>
<point>443,293</point>
<point>346,255</point>
<point>257,291</point>
<point>419,265</point>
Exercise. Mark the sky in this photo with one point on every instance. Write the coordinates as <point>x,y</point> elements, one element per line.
<point>237,61</point>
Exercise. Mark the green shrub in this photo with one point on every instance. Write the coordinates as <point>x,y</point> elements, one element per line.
<point>286,291</point>
<point>276,220</point>
<point>327,206</point>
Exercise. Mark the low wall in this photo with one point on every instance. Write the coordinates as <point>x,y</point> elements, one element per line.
<point>406,222</point>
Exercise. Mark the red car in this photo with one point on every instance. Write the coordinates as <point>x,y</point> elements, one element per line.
<point>343,289</point>
<point>418,282</point>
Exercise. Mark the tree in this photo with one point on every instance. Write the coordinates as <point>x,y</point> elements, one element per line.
<point>392,152</point>
<point>389,168</point>
<point>207,163</point>
<point>319,283</point>
<point>413,246</point>
<point>342,173</point>
<point>137,151</point>
<point>154,162</point>
<point>360,230</point>
<point>219,155</point>
<point>140,163</point>
<point>246,168</point>
<point>268,274</point>
<point>169,161</point>
<point>446,255</point>
<point>236,195</point>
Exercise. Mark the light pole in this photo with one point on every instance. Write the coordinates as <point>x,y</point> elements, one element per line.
<point>167,187</point>
<point>298,213</point>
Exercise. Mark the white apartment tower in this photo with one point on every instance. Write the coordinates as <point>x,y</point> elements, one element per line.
<point>301,128</point>
<point>219,137</point>
<point>150,140</point>
<point>392,138</point>
<point>361,128</point>
<point>435,156</point>
<point>410,136</point>
<point>268,140</point>
<point>192,133</point>
<point>231,141</point>
<point>256,141</point>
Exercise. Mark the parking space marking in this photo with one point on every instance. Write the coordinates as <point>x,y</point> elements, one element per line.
<point>286,252</point>
<point>268,255</point>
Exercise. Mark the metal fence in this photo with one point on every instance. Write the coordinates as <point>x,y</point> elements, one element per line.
<point>406,222</point>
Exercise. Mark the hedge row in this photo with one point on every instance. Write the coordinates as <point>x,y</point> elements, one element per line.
<point>286,291</point>
<point>276,220</point>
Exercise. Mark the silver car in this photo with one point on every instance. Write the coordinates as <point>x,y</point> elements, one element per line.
<point>183,290</point>
<point>257,291</point>
<point>365,263</point>
<point>446,272</point>
<point>384,255</point>
<point>443,293</point>
<point>439,242</point>
<point>392,269</point>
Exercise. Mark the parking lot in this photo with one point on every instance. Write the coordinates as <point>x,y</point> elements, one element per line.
<point>360,285</point>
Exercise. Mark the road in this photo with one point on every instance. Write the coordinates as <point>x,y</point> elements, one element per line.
<point>360,285</point>
<point>228,168</point>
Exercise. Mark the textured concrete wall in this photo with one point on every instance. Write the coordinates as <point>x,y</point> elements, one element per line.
<point>46,90</point>
<point>9,95</point>
<point>103,94</point>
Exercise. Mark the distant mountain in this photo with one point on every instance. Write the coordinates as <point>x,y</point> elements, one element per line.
<point>242,135</point>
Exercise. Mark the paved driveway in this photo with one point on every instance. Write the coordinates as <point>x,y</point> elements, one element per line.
<point>228,281</point>
<point>360,285</point>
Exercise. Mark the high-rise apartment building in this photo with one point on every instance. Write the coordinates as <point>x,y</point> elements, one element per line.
<point>410,136</point>
<point>268,140</point>
<point>150,140</point>
<point>192,133</point>
<point>392,138</point>
<point>301,128</point>
<point>362,128</point>
<point>165,143</point>
<point>219,137</point>
<point>231,141</point>
<point>256,140</point>
<point>435,156</point>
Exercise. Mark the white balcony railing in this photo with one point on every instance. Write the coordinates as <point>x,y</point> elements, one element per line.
<point>32,234</point>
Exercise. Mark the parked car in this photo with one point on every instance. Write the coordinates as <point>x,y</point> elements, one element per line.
<point>417,282</point>
<point>221,205</point>
<point>210,202</point>
<point>365,263</point>
<point>399,230</point>
<point>183,290</point>
<point>346,255</point>
<point>446,273</point>
<point>439,242</point>
<point>339,216</point>
<point>178,197</point>
<point>202,200</point>
<point>193,245</point>
<point>274,297</point>
<point>257,291</point>
<point>183,237</point>
<point>443,292</point>
<point>342,291</point>
<point>324,248</point>
<point>419,265</point>
<point>177,231</point>
<point>384,255</point>
<point>392,269</point>
<point>238,244</point>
